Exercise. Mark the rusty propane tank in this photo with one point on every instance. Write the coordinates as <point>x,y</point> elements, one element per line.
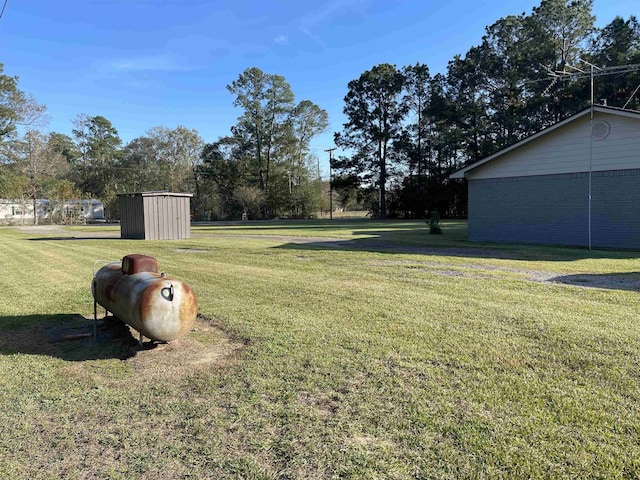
<point>159,307</point>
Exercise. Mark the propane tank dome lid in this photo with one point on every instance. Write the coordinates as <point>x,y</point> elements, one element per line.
<point>136,263</point>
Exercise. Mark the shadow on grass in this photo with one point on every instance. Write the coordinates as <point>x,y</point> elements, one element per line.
<point>452,244</point>
<point>56,239</point>
<point>67,336</point>
<point>408,237</point>
<point>610,281</point>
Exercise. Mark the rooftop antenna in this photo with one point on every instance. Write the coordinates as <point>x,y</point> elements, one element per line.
<point>632,95</point>
<point>591,73</point>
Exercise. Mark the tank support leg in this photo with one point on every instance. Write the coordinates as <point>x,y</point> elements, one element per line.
<point>140,339</point>
<point>95,312</point>
<point>95,320</point>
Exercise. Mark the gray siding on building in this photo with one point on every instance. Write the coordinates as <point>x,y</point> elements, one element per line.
<point>155,216</point>
<point>615,209</point>
<point>553,209</point>
<point>568,149</point>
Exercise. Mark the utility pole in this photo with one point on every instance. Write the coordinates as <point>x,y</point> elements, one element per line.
<point>330,150</point>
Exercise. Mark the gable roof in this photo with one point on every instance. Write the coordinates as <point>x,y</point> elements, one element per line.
<point>461,173</point>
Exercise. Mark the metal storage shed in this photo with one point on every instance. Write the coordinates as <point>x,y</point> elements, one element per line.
<point>155,215</point>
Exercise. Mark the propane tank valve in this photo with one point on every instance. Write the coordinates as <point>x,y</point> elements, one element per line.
<point>169,295</point>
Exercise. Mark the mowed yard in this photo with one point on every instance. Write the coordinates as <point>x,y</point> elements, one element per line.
<point>345,349</point>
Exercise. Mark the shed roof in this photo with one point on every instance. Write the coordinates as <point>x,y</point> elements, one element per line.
<point>461,173</point>
<point>155,193</point>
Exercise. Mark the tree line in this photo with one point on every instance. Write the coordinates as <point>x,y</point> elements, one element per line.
<point>406,130</point>
<point>262,170</point>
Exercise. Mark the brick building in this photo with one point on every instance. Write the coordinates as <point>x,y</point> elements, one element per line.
<point>575,183</point>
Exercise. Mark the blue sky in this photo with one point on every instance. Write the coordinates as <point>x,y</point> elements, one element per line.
<point>144,63</point>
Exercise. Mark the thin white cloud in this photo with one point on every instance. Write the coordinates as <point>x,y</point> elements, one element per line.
<point>195,51</point>
<point>146,63</point>
<point>138,85</point>
<point>281,40</point>
<point>316,38</point>
<point>336,8</point>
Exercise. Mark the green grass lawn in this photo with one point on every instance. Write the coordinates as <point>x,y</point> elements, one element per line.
<point>345,349</point>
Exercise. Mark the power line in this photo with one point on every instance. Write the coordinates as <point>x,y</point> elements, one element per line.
<point>3,7</point>
<point>318,145</point>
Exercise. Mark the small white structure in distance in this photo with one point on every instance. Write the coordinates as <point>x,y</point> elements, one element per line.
<point>21,211</point>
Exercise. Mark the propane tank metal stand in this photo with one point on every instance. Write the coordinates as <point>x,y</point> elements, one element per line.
<point>95,320</point>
